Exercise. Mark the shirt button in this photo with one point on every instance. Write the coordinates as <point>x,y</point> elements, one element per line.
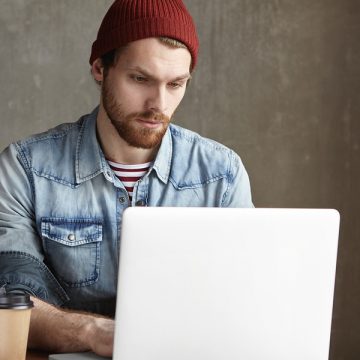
<point>108,175</point>
<point>140,203</point>
<point>122,199</point>
<point>72,237</point>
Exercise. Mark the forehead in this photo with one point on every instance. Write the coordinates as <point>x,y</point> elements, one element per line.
<point>155,57</point>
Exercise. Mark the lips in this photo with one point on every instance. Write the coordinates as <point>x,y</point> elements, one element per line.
<point>149,123</point>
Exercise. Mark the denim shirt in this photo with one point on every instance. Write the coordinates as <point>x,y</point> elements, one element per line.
<point>61,207</point>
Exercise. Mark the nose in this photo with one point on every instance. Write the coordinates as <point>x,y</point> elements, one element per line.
<point>157,100</point>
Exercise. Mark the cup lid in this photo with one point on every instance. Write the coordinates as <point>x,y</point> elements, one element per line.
<point>15,300</point>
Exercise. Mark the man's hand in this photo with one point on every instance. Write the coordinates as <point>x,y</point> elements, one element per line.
<point>58,330</point>
<point>100,336</point>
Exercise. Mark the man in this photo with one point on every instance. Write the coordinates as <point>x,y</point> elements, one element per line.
<point>63,192</point>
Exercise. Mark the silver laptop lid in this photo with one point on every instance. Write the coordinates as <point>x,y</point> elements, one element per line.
<point>210,283</point>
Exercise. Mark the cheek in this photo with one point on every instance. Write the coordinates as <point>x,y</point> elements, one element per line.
<point>131,98</point>
<point>176,100</point>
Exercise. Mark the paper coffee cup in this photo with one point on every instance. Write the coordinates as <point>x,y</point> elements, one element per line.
<point>15,311</point>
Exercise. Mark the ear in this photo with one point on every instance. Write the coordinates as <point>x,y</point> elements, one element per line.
<point>97,70</point>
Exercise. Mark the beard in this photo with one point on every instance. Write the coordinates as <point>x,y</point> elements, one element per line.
<point>128,127</point>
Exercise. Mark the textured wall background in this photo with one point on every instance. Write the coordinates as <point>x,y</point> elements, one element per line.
<point>278,81</point>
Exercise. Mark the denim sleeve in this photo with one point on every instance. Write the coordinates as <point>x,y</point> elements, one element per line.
<point>238,193</point>
<point>21,255</point>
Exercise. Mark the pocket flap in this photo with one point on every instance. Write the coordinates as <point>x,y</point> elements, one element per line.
<point>71,232</point>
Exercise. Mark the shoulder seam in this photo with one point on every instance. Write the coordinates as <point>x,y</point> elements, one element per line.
<point>192,136</point>
<point>53,133</point>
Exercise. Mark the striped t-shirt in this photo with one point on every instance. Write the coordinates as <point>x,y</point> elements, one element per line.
<point>129,174</point>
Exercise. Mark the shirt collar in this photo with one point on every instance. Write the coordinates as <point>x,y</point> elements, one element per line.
<point>90,160</point>
<point>162,164</point>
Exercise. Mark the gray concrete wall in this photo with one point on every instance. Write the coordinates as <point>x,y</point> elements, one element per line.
<point>278,81</point>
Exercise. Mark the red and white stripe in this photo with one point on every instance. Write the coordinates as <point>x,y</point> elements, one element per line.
<point>129,174</point>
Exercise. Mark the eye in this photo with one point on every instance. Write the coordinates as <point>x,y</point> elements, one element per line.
<point>175,85</point>
<point>138,78</point>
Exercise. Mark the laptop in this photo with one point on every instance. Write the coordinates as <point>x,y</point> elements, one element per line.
<point>214,283</point>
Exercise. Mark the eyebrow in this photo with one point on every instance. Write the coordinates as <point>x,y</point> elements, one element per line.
<point>186,76</point>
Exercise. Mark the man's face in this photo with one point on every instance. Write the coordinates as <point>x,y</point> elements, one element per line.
<point>142,91</point>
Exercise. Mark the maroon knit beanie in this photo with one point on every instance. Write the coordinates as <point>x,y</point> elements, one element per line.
<point>130,20</point>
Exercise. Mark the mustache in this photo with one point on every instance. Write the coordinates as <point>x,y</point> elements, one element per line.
<point>151,115</point>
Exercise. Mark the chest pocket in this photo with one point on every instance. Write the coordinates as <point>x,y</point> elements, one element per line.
<point>72,249</point>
